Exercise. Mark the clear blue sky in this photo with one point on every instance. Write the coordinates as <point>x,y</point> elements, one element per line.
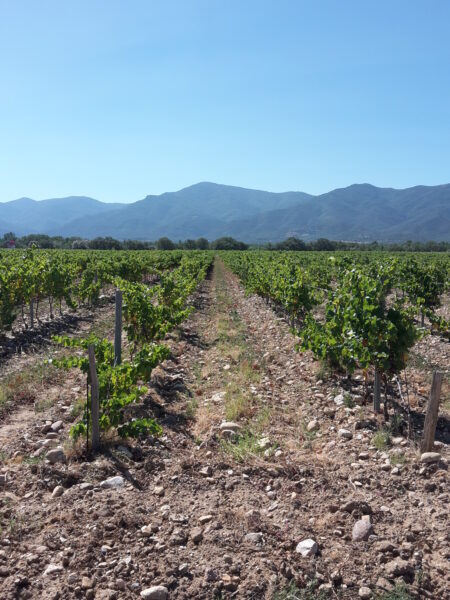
<point>117,99</point>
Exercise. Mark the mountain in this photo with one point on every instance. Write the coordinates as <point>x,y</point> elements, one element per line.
<point>360,212</point>
<point>198,210</point>
<point>25,215</point>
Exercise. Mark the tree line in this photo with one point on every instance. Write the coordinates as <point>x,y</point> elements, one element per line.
<point>10,240</point>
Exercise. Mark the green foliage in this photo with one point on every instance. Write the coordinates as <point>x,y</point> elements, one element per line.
<point>360,330</point>
<point>149,313</point>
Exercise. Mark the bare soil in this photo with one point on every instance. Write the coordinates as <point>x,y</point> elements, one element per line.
<point>199,492</point>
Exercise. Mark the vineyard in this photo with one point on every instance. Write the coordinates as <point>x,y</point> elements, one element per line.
<point>230,424</point>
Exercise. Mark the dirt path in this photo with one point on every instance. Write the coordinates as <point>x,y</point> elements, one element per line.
<point>258,455</point>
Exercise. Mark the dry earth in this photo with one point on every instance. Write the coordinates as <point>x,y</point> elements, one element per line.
<point>220,511</point>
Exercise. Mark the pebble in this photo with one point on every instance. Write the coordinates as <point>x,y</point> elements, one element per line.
<point>51,568</point>
<point>206,471</point>
<point>197,535</point>
<point>365,593</point>
<point>156,592</point>
<point>254,538</point>
<point>229,425</point>
<point>313,425</point>
<point>397,568</point>
<point>339,400</point>
<point>158,490</point>
<point>345,433</point>
<point>57,425</point>
<point>56,455</point>
<point>430,457</point>
<point>113,482</point>
<point>264,443</point>
<point>205,519</point>
<point>58,491</point>
<point>307,548</point>
<point>361,530</point>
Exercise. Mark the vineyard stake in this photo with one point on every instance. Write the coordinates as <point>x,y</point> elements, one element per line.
<point>94,399</point>
<point>431,416</point>
<point>118,329</point>
<point>376,391</point>
<point>31,314</point>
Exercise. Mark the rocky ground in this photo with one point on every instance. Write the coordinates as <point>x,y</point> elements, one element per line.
<point>272,480</point>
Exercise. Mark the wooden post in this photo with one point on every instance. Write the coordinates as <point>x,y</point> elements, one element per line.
<point>376,391</point>
<point>31,314</point>
<point>431,416</point>
<point>95,410</point>
<point>118,329</point>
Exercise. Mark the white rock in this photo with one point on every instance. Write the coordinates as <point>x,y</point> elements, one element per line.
<point>339,400</point>
<point>51,568</point>
<point>264,443</point>
<point>361,530</point>
<point>56,455</point>
<point>430,457</point>
<point>113,482</point>
<point>57,425</point>
<point>156,592</point>
<point>365,593</point>
<point>254,538</point>
<point>312,425</point>
<point>307,548</point>
<point>158,490</point>
<point>345,433</point>
<point>230,425</point>
<point>58,491</point>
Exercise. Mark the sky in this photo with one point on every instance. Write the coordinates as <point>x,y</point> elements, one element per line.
<point>117,99</point>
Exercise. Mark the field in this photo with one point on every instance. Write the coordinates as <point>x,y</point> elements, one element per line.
<point>244,450</point>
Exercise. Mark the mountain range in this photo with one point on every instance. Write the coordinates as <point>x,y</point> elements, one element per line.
<point>360,212</point>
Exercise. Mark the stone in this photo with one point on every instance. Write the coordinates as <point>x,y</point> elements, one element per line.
<point>57,425</point>
<point>365,593</point>
<point>197,535</point>
<point>264,443</point>
<point>206,471</point>
<point>339,400</point>
<point>254,538</point>
<point>125,451</point>
<point>205,519</point>
<point>398,568</point>
<point>430,457</point>
<point>56,455</point>
<point>113,482</point>
<point>86,583</point>
<point>211,575</point>
<point>51,568</point>
<point>156,592</point>
<point>230,425</point>
<point>58,491</point>
<point>312,425</point>
<point>384,546</point>
<point>345,434</point>
<point>362,529</point>
<point>147,530</point>
<point>158,490</point>
<point>307,547</point>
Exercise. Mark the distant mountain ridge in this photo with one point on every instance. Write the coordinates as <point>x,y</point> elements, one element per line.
<point>360,212</point>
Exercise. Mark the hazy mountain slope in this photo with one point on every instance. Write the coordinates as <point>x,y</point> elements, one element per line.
<point>359,212</point>
<point>31,216</point>
<point>191,212</point>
